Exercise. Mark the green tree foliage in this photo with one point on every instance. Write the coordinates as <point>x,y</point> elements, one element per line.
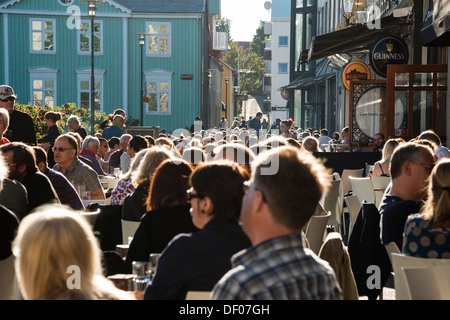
<point>224,25</point>
<point>259,42</point>
<point>250,65</point>
<point>38,113</point>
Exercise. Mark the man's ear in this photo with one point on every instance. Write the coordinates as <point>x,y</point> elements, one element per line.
<point>41,165</point>
<point>206,205</point>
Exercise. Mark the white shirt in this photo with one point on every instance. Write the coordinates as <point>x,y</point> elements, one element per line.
<point>125,160</point>
<point>323,142</point>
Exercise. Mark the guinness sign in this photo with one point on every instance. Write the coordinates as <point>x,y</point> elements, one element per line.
<point>387,50</point>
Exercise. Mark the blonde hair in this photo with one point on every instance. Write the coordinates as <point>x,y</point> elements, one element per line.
<point>136,161</point>
<point>437,206</point>
<point>50,241</point>
<point>153,158</point>
<point>118,119</point>
<point>5,116</point>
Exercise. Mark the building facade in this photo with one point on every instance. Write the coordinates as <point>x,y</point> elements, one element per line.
<point>46,56</point>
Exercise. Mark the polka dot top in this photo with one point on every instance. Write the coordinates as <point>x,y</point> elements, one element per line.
<point>420,240</point>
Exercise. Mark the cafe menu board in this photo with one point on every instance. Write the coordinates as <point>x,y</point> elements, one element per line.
<point>357,70</point>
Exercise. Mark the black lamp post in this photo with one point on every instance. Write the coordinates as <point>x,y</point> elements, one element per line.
<point>226,92</point>
<point>142,43</point>
<point>92,9</point>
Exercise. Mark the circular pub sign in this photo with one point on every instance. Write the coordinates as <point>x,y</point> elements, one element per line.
<point>357,70</point>
<point>387,50</point>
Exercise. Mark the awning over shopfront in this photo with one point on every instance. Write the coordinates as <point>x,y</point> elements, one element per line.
<point>310,77</point>
<point>355,38</point>
<point>435,30</point>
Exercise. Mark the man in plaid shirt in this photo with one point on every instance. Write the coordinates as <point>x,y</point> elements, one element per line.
<point>283,193</point>
<point>76,171</point>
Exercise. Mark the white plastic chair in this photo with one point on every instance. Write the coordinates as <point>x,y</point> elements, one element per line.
<point>198,295</point>
<point>331,203</point>
<point>316,230</point>
<point>363,188</point>
<point>128,229</point>
<point>400,261</point>
<point>7,278</point>
<point>353,206</point>
<point>91,217</point>
<point>428,283</point>
<point>392,247</point>
<point>109,182</point>
<point>379,185</point>
<point>346,173</point>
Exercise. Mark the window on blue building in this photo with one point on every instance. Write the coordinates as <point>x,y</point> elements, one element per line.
<point>159,39</point>
<point>42,35</point>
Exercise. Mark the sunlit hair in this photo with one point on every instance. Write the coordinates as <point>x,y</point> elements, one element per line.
<point>3,172</point>
<point>49,241</point>
<point>311,144</point>
<point>277,173</point>
<point>135,162</point>
<point>5,117</point>
<point>56,117</point>
<point>169,184</point>
<point>409,151</point>
<point>74,119</point>
<point>152,159</point>
<point>437,205</point>
<point>118,120</point>
<point>88,141</point>
<point>162,141</point>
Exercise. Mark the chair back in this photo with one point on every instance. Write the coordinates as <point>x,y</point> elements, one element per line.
<point>109,182</point>
<point>392,247</point>
<point>353,206</point>
<point>91,217</point>
<point>428,283</point>
<point>198,295</point>
<point>7,278</point>
<point>86,203</point>
<point>379,185</point>
<point>400,261</point>
<point>363,188</point>
<point>128,229</point>
<point>346,173</point>
<point>331,203</point>
<point>316,230</point>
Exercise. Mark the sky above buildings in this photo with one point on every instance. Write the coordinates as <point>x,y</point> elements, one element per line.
<point>245,16</point>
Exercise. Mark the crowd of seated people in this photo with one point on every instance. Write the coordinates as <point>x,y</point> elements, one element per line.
<point>204,203</point>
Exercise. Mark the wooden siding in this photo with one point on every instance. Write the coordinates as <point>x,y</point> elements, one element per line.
<point>55,5</point>
<point>185,59</point>
<point>66,60</point>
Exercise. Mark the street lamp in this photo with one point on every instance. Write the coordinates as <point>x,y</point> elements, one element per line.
<point>142,43</point>
<point>347,6</point>
<point>226,92</point>
<point>92,10</point>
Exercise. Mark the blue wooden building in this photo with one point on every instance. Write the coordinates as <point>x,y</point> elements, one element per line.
<point>45,55</point>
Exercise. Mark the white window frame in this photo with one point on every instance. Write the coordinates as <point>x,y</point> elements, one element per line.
<point>85,75</point>
<point>283,45</point>
<point>88,33</point>
<point>287,67</point>
<point>32,51</point>
<point>43,74</point>
<point>158,76</point>
<point>158,54</point>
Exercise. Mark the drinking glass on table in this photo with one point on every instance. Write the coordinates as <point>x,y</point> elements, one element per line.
<point>153,259</point>
<point>141,275</point>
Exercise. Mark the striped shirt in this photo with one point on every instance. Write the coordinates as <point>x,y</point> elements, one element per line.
<point>279,268</point>
<point>79,173</point>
